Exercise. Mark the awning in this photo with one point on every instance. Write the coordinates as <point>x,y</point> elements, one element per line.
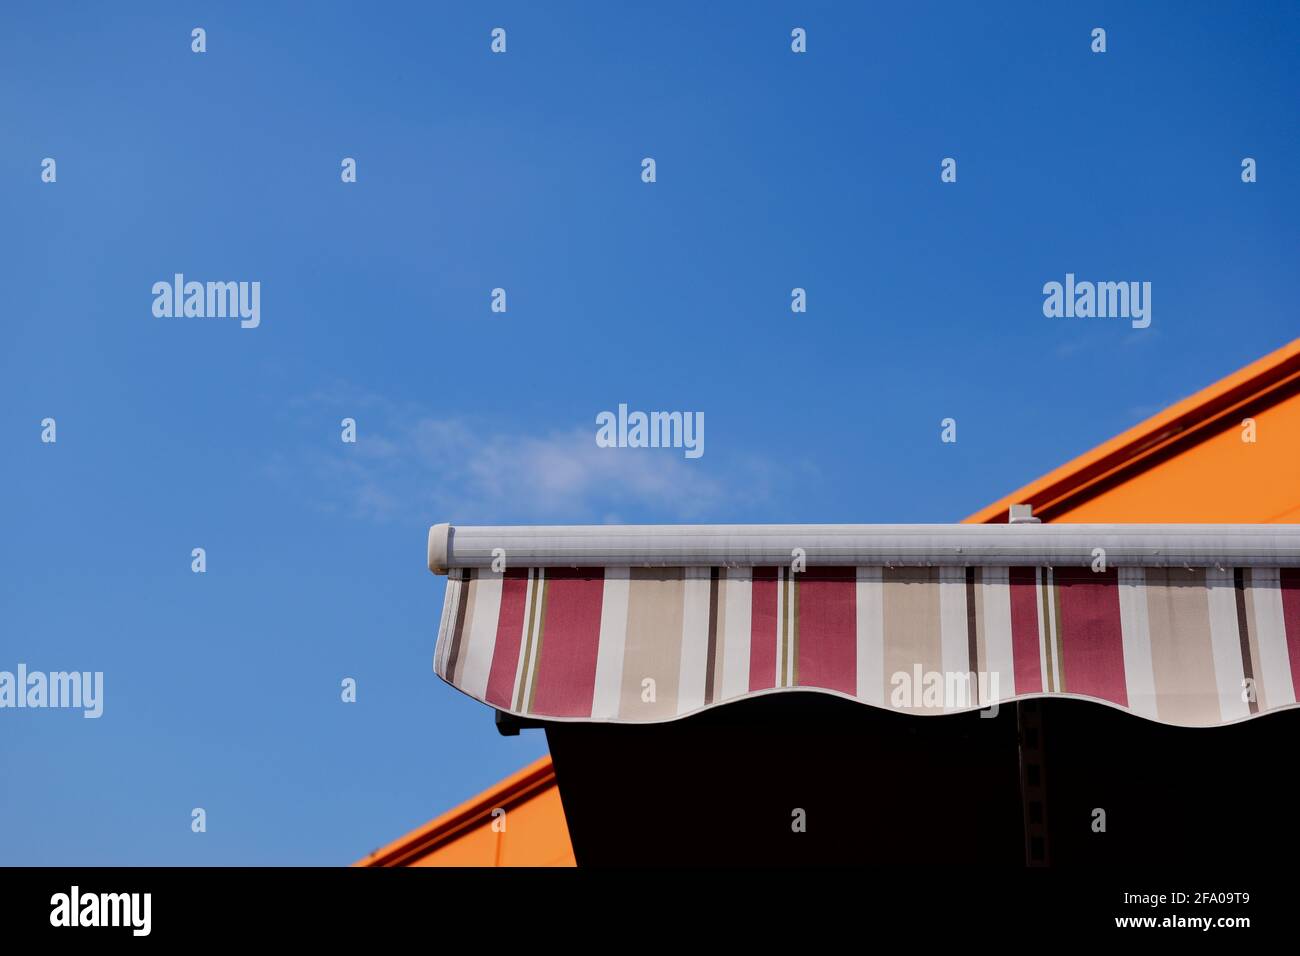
<point>1191,625</point>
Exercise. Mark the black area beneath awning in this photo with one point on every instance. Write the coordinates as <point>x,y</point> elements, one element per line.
<point>883,788</point>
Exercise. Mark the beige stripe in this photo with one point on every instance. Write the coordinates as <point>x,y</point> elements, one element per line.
<point>913,635</point>
<point>654,638</point>
<point>1182,654</point>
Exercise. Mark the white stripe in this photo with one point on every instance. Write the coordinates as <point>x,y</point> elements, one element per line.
<point>739,593</point>
<point>1135,632</point>
<point>1274,661</point>
<point>954,644</point>
<point>998,647</point>
<point>695,640</point>
<point>871,635</point>
<point>613,639</point>
<point>1225,643</point>
<point>481,634</point>
<point>451,598</point>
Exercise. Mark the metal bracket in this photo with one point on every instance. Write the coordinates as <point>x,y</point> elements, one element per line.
<point>508,725</point>
<point>1023,514</point>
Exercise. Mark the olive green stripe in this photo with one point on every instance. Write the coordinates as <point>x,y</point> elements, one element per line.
<point>528,642</point>
<point>541,632</point>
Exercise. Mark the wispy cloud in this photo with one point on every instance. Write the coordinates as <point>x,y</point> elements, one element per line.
<point>408,461</point>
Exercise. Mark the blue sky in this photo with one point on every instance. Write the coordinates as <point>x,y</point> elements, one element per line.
<point>522,171</point>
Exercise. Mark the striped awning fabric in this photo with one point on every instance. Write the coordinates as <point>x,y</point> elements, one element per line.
<point>1186,625</point>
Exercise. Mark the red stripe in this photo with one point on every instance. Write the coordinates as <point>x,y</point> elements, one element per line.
<point>1291,621</point>
<point>1024,631</point>
<point>1092,638</point>
<point>566,668</point>
<point>510,626</point>
<point>828,629</point>
<point>762,632</point>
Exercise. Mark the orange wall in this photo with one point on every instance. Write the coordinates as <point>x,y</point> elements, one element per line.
<point>1223,479</point>
<point>535,832</point>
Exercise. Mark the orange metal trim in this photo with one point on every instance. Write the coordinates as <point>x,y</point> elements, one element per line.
<point>1259,385</point>
<point>512,791</point>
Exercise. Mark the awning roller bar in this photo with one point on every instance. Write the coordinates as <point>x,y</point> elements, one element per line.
<point>897,545</point>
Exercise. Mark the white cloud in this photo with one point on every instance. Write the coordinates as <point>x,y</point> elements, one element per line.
<point>409,463</point>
